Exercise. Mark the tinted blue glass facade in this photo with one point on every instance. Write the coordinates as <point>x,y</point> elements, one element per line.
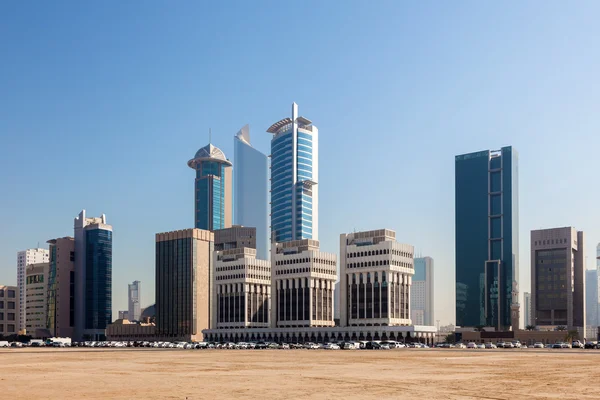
<point>98,285</point>
<point>282,185</point>
<point>251,191</point>
<point>210,196</point>
<point>486,224</point>
<point>291,186</point>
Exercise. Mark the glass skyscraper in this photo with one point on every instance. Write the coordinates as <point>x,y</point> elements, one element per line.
<point>487,237</point>
<point>294,176</point>
<point>251,192</point>
<point>93,273</point>
<point>212,189</point>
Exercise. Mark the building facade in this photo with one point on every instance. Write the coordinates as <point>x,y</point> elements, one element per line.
<point>375,278</point>
<point>294,177</point>
<point>235,237</point>
<point>124,315</point>
<point>527,308</point>
<point>36,298</point>
<point>213,206</point>
<point>61,287</point>
<point>591,297</point>
<point>422,293</point>
<point>241,290</point>
<point>487,237</point>
<point>251,191</point>
<point>25,258</point>
<point>303,280</point>
<point>557,278</point>
<point>184,262</point>
<point>93,272</point>
<point>134,295</point>
<point>10,309</point>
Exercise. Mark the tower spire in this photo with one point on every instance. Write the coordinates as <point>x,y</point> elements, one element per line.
<point>209,136</point>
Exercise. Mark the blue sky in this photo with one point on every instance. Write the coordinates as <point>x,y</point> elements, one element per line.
<point>102,104</point>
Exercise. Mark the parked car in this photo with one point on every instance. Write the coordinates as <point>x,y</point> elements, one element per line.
<point>490,346</point>
<point>591,345</point>
<point>284,346</point>
<point>565,345</point>
<point>576,344</point>
<point>331,346</point>
<point>516,344</point>
<point>471,345</point>
<point>538,345</point>
<point>508,345</point>
<point>557,345</point>
<point>500,345</point>
<point>372,346</point>
<point>460,346</point>
<point>481,346</point>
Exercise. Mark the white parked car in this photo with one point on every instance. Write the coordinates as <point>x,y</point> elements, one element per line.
<point>538,345</point>
<point>331,346</point>
<point>460,346</point>
<point>490,346</point>
<point>471,345</point>
<point>481,346</point>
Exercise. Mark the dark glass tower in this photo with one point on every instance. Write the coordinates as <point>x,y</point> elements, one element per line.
<point>487,237</point>
<point>93,274</point>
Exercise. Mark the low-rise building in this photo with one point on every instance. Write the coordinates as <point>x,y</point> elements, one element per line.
<point>124,330</point>
<point>36,297</point>
<point>241,289</point>
<point>375,274</point>
<point>303,279</point>
<point>9,310</point>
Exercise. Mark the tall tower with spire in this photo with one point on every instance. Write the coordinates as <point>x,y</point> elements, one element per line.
<point>294,177</point>
<point>213,207</point>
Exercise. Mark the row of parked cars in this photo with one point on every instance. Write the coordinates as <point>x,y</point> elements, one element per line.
<point>515,344</point>
<point>370,345</point>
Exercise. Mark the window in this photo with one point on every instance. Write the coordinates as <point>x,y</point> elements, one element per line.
<point>1,317</point>
<point>11,305</point>
<point>10,328</point>
<point>10,316</point>
<point>11,294</point>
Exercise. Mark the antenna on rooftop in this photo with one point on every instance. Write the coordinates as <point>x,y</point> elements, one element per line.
<point>209,136</point>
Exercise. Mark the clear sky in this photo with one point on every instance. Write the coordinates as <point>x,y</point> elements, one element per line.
<point>102,104</point>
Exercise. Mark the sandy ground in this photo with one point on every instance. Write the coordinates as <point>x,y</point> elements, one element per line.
<point>299,374</point>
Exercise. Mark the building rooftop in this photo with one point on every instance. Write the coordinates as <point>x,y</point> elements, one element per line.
<point>208,153</point>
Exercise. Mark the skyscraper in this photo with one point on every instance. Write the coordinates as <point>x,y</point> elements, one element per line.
<point>36,299</point>
<point>487,237</point>
<point>251,192</point>
<point>421,294</point>
<point>93,272</point>
<point>133,298</point>
<point>527,306</point>
<point>184,265</point>
<point>557,278</point>
<point>591,297</point>
<point>25,258</point>
<point>61,287</point>
<point>294,177</point>
<point>212,189</point>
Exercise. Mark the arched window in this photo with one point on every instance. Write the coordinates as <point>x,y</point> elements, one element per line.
<point>360,278</point>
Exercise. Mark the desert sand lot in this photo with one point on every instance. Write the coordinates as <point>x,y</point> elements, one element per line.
<point>299,374</point>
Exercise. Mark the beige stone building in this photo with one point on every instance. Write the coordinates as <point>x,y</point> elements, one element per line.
<point>184,261</point>
<point>9,310</point>
<point>36,299</point>
<point>303,280</point>
<point>375,278</point>
<point>124,330</point>
<point>61,287</point>
<point>241,289</point>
